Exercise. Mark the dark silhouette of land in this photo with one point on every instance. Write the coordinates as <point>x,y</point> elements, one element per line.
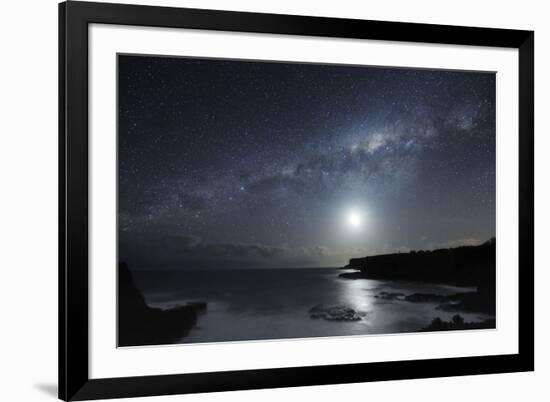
<point>460,266</point>
<point>139,324</point>
<point>468,266</point>
<point>458,323</point>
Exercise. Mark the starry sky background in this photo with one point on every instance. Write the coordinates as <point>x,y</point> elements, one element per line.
<point>247,164</point>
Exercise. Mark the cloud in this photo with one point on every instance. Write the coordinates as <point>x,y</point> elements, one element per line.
<point>188,242</point>
<point>189,248</point>
<point>190,245</point>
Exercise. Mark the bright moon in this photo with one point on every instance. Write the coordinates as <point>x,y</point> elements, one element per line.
<point>354,219</point>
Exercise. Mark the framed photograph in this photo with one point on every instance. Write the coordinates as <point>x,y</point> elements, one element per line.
<point>256,200</point>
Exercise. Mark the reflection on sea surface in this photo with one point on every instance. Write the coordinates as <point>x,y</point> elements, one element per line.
<point>276,303</point>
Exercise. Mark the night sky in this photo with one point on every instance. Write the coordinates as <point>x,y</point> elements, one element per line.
<point>259,164</point>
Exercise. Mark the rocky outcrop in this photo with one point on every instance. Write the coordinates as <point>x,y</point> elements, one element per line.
<point>462,266</point>
<point>458,323</point>
<point>474,302</point>
<point>390,296</point>
<point>139,324</point>
<point>425,298</point>
<point>336,313</point>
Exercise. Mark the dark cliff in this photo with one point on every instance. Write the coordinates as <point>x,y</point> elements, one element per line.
<point>139,324</point>
<point>464,266</point>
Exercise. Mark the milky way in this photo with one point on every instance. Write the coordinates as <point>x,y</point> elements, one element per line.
<point>252,164</point>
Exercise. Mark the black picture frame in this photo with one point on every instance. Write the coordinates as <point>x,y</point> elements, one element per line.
<point>74,381</point>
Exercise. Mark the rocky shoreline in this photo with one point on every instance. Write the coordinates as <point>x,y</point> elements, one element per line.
<point>139,324</point>
<point>471,302</point>
<point>457,323</point>
<point>460,266</point>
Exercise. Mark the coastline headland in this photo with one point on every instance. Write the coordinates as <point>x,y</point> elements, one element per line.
<point>459,266</point>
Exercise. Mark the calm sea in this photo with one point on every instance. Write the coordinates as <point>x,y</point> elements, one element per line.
<point>275,303</point>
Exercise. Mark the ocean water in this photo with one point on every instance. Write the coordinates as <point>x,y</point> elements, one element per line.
<point>275,303</point>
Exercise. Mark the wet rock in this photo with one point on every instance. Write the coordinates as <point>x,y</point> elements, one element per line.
<point>139,324</point>
<point>390,295</point>
<point>458,323</point>
<point>425,298</point>
<point>336,313</point>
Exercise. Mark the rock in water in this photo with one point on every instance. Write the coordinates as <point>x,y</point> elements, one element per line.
<point>336,313</point>
<point>458,323</point>
<point>390,295</point>
<point>425,298</point>
<point>139,324</point>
